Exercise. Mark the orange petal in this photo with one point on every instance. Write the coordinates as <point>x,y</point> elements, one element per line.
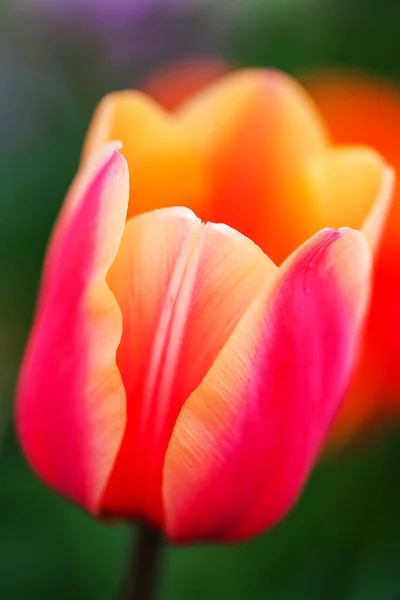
<point>361,109</point>
<point>347,186</point>
<point>247,437</point>
<point>374,225</point>
<point>254,130</point>
<point>164,164</point>
<point>182,286</point>
<point>71,404</point>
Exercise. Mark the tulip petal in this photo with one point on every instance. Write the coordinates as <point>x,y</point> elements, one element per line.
<point>246,439</point>
<point>182,286</point>
<point>71,402</point>
<point>348,187</point>
<point>254,129</point>
<point>373,225</point>
<point>361,109</point>
<point>164,164</point>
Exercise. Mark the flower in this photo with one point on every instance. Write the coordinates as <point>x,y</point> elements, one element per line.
<point>361,109</point>
<point>174,372</point>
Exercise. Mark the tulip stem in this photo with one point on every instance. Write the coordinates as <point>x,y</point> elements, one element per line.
<point>145,565</point>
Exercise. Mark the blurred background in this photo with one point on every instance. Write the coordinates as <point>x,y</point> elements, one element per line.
<point>57,58</point>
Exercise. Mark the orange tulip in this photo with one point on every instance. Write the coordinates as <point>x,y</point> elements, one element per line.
<point>177,371</point>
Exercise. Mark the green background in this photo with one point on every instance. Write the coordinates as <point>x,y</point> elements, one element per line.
<point>343,538</point>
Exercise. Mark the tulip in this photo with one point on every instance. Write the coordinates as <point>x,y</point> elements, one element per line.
<point>176,372</point>
<point>362,110</point>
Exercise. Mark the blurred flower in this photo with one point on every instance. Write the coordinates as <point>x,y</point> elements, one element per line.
<point>172,84</point>
<point>124,38</point>
<point>174,372</point>
<point>359,109</point>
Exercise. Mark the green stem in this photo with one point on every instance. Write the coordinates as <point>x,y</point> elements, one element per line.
<point>144,565</point>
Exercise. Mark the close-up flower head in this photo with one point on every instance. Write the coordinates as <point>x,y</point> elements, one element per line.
<point>200,309</point>
<point>184,362</point>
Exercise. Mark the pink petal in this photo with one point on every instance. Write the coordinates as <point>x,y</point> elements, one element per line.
<point>246,439</point>
<point>71,402</point>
